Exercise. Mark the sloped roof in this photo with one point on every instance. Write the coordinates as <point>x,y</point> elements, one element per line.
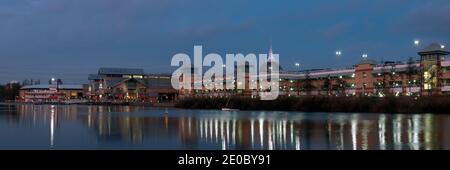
<point>121,71</point>
<point>114,83</point>
<point>367,61</point>
<point>95,77</point>
<point>434,48</point>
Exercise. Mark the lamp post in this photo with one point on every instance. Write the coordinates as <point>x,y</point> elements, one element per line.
<point>338,53</point>
<point>417,43</point>
<point>298,80</point>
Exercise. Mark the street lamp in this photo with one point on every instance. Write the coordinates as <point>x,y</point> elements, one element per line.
<point>298,81</point>
<point>416,43</point>
<point>364,56</point>
<point>442,46</point>
<point>338,53</point>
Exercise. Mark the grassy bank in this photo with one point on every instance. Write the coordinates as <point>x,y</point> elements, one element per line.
<point>435,104</point>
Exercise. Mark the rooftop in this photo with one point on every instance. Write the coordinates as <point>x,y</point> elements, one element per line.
<point>121,71</point>
<point>434,48</point>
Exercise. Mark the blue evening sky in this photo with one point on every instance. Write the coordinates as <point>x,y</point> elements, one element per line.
<point>69,39</point>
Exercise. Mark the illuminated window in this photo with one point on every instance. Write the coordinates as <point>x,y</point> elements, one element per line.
<point>127,76</point>
<point>138,76</point>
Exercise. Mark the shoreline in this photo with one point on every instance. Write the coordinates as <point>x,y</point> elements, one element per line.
<point>386,105</point>
<point>373,105</point>
<point>94,104</point>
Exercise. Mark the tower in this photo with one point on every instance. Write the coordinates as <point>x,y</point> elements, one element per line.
<point>430,64</point>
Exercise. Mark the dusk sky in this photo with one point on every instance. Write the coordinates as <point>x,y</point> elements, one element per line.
<point>70,39</point>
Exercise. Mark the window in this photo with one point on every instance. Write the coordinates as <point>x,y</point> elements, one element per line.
<point>364,75</point>
<point>138,76</point>
<point>132,85</point>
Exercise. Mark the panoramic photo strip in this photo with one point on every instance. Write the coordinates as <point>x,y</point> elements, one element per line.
<point>224,84</point>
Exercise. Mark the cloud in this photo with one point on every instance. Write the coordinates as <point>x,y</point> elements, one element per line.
<point>208,30</point>
<point>337,30</point>
<point>430,19</point>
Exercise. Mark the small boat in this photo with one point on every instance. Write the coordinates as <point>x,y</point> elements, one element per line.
<point>229,109</point>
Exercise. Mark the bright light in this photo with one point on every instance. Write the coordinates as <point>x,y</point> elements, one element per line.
<point>416,42</point>
<point>53,79</point>
<point>297,64</point>
<point>364,55</point>
<point>338,53</point>
<point>442,46</point>
<point>223,65</point>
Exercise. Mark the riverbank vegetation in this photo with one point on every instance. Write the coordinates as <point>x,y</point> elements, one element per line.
<point>432,104</point>
<point>9,91</point>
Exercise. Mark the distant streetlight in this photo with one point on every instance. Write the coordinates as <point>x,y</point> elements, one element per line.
<point>338,53</point>
<point>364,56</point>
<point>442,46</point>
<point>416,43</point>
<point>53,79</point>
<point>297,82</point>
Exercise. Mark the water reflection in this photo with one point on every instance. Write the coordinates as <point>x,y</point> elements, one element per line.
<point>132,127</point>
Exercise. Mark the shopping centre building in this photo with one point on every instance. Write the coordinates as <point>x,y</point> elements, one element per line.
<point>128,84</point>
<point>428,75</point>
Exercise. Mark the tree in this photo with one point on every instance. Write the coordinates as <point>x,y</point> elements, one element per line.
<point>26,82</point>
<point>384,85</point>
<point>327,85</point>
<point>2,92</point>
<point>410,71</point>
<point>10,91</point>
<point>342,86</point>
<point>307,83</point>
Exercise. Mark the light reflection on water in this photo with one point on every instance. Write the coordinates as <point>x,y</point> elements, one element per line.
<point>134,127</point>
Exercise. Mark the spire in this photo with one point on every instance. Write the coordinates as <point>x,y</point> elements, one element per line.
<point>270,57</point>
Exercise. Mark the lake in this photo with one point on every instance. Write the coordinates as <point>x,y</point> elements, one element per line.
<point>26,126</point>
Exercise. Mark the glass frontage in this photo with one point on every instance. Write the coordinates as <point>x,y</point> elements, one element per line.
<point>430,72</point>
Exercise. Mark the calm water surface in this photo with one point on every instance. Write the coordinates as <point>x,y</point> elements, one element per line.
<point>133,127</point>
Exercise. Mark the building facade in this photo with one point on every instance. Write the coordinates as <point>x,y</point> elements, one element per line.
<point>430,75</point>
<point>129,85</point>
<point>51,93</point>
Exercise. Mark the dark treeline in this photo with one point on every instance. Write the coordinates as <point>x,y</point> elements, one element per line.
<point>432,104</point>
<point>9,91</point>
